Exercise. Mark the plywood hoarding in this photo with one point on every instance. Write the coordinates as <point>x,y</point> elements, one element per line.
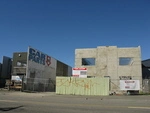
<point>82,86</point>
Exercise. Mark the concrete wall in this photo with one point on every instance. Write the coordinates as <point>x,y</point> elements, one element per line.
<point>86,53</point>
<point>107,63</point>
<point>19,57</point>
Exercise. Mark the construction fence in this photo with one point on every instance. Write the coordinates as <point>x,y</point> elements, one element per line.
<point>38,85</point>
<point>82,86</point>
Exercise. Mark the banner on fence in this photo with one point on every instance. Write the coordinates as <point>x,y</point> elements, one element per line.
<point>129,85</point>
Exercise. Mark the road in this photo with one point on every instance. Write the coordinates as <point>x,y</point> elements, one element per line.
<point>21,102</point>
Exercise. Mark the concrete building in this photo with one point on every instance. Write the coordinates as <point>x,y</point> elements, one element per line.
<point>111,61</point>
<point>19,63</point>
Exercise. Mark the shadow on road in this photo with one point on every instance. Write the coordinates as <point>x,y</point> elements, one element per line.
<point>9,108</point>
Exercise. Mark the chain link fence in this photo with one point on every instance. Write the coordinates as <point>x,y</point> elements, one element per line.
<point>38,85</point>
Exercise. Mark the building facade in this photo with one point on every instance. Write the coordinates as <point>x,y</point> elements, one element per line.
<point>111,61</point>
<point>0,69</point>
<point>19,63</point>
<point>1,81</point>
<point>38,70</point>
<point>146,75</point>
<point>146,69</point>
<point>5,70</point>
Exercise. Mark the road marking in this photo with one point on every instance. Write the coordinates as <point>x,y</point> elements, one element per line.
<point>8,101</point>
<point>139,107</point>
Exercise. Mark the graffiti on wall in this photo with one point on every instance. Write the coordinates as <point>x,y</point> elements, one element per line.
<point>82,86</point>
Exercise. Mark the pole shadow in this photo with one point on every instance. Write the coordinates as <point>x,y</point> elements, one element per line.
<point>10,108</point>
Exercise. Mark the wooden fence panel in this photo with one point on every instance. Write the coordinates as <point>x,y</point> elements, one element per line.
<point>82,86</point>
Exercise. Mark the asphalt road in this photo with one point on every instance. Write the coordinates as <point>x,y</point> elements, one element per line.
<point>20,102</point>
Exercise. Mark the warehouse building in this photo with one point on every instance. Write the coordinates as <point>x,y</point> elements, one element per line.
<point>5,70</point>
<point>146,75</point>
<point>121,65</point>
<point>1,81</point>
<point>146,69</point>
<point>37,71</point>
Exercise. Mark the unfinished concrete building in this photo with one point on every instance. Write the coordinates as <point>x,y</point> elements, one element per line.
<point>111,61</point>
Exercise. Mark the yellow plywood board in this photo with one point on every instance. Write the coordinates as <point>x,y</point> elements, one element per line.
<point>82,86</point>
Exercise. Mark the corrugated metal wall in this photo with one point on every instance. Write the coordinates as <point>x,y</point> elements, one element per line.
<point>82,86</point>
<point>62,69</point>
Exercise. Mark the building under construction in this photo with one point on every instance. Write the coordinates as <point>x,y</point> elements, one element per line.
<point>121,65</point>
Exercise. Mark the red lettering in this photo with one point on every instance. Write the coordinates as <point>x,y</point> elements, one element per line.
<point>129,81</point>
<point>127,87</point>
<point>48,60</point>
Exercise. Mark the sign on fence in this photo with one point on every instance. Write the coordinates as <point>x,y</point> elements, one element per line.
<point>129,85</point>
<point>17,78</point>
<point>79,72</point>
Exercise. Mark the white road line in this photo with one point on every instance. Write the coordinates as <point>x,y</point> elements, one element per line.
<point>139,107</point>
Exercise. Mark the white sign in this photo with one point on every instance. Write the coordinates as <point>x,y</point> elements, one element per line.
<point>129,85</point>
<point>79,72</point>
<point>16,78</point>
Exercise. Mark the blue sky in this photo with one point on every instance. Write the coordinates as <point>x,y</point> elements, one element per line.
<point>58,27</point>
